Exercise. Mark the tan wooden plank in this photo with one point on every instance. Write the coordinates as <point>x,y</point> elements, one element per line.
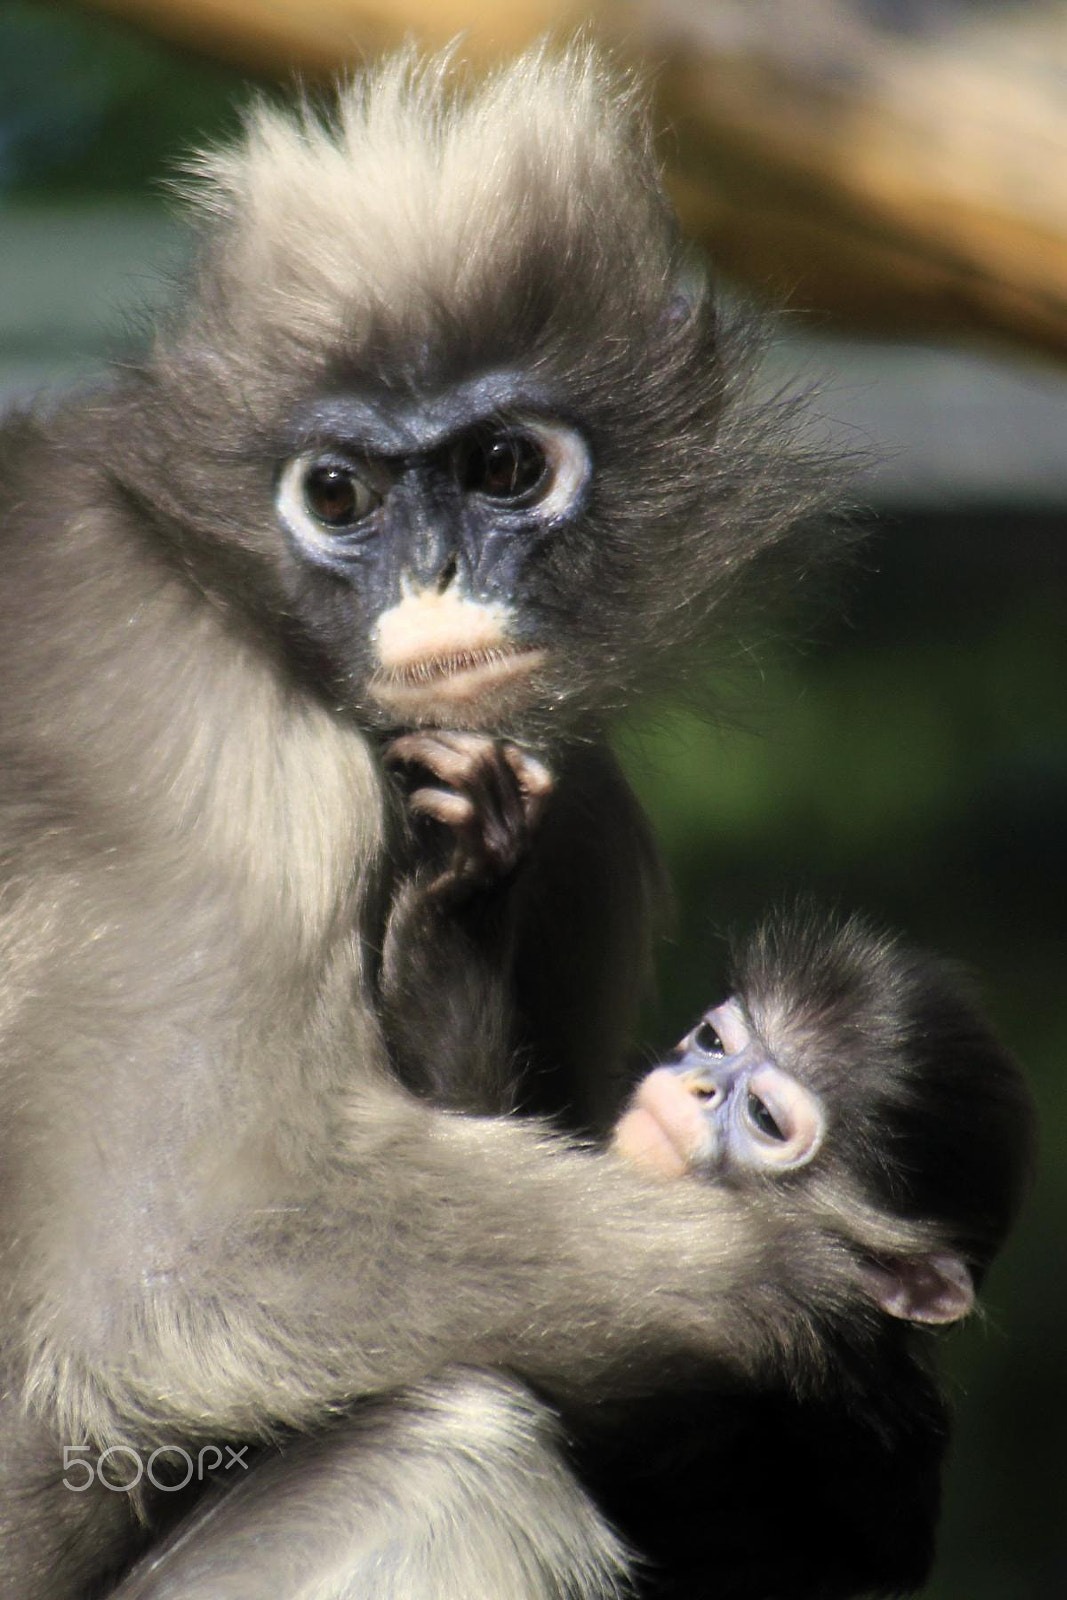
<point>320,37</point>
<point>929,194</point>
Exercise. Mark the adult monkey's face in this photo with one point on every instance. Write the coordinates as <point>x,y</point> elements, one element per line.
<point>461,423</point>
<point>433,518</point>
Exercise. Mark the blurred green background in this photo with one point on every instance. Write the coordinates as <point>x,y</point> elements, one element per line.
<point>911,762</point>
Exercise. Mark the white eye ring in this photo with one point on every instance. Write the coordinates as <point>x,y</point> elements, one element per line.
<point>796,1112</point>
<point>568,460</point>
<point>567,464</point>
<point>291,502</point>
<point>564,457</point>
<point>762,1118</point>
<point>729,1023</point>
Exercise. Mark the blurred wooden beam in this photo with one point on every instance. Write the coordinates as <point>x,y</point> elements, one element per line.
<point>915,186</point>
<point>318,38</point>
<point>837,204</point>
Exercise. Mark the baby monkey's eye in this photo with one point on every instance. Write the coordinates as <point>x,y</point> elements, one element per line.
<point>761,1118</point>
<point>707,1040</point>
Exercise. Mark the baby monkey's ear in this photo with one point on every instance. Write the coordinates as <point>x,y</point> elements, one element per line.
<point>936,1288</point>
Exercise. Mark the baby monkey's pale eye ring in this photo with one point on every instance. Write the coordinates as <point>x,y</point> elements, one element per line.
<point>722,1031</point>
<point>785,1118</point>
<point>762,1118</point>
<point>706,1039</point>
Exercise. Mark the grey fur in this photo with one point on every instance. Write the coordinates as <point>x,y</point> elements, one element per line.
<point>448,1491</point>
<point>223,1217</point>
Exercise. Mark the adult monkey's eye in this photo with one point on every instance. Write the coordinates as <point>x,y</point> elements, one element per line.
<point>761,1118</point>
<point>337,496</point>
<point>324,501</point>
<point>707,1041</point>
<point>503,464</point>
<point>525,461</point>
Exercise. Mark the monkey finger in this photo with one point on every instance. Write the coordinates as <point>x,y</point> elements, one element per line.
<point>533,775</point>
<point>534,779</point>
<point>493,782</point>
<point>457,766</point>
<point>412,749</point>
<point>426,744</point>
<point>479,768</point>
<point>477,746</point>
<point>442,805</point>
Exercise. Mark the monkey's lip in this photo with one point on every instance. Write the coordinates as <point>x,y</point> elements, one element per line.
<point>456,678</point>
<point>662,1130</point>
<point>642,1138</point>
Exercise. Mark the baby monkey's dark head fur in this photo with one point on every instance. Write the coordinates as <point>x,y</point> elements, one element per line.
<point>929,1117</point>
<point>450,407</point>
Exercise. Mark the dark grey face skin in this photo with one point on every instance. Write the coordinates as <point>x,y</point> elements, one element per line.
<point>432,526</point>
<point>458,487</point>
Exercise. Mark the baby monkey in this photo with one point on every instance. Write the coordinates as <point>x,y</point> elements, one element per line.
<point>852,1075</point>
<point>860,1077</point>
<point>850,1083</point>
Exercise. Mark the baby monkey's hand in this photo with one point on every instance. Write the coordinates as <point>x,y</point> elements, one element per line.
<point>490,796</point>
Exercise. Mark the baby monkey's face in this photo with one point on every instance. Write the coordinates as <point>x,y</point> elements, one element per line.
<point>721,1103</point>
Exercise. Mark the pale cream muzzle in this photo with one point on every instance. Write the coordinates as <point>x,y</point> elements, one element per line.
<point>444,656</point>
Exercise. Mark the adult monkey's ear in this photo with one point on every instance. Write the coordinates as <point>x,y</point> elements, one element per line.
<point>936,1288</point>
<point>689,289</point>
